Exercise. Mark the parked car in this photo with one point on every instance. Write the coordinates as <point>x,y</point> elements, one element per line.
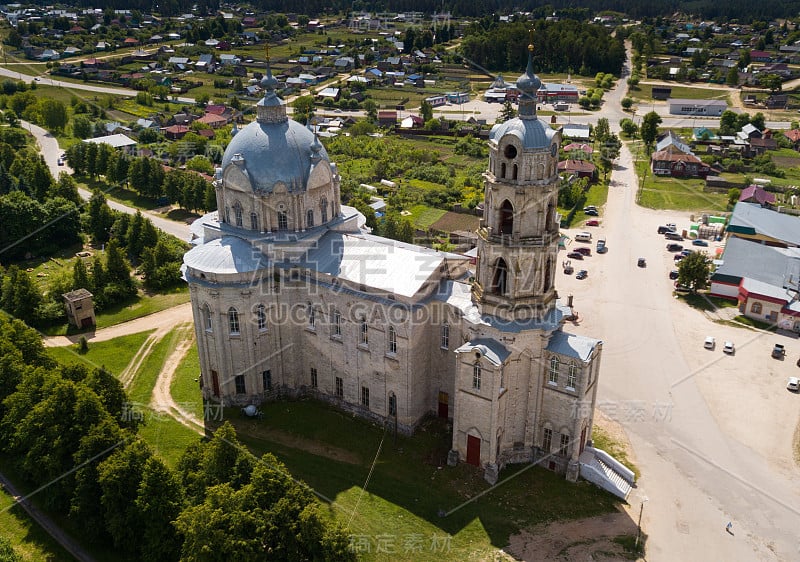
<point>678,257</point>
<point>641,262</point>
<point>672,247</point>
<point>584,250</point>
<point>575,255</point>
<point>582,274</point>
<point>591,212</point>
<point>793,384</point>
<point>665,229</point>
<point>60,161</point>
<point>588,208</point>
<point>778,352</point>
<point>682,288</point>
<point>710,342</point>
<point>672,226</point>
<point>673,274</point>
<point>685,252</point>
<point>728,348</point>
<point>593,222</point>
<point>673,236</point>
<point>699,242</point>
<point>601,246</point>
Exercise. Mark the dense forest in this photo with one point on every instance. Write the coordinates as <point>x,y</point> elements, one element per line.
<point>742,10</point>
<point>564,46</point>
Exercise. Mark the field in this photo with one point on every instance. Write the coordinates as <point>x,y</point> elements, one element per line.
<point>644,93</point>
<point>28,539</point>
<point>113,355</point>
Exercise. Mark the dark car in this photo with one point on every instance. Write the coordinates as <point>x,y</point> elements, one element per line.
<point>673,236</point>
<point>584,250</point>
<point>673,274</point>
<point>582,274</point>
<point>591,212</point>
<point>642,262</point>
<point>699,242</point>
<point>588,208</point>
<point>672,247</point>
<point>678,257</point>
<point>665,229</point>
<point>575,255</point>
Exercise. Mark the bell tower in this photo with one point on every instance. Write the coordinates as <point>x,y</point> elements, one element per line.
<point>519,236</point>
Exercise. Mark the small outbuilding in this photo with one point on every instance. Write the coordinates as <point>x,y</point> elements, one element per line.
<point>80,308</point>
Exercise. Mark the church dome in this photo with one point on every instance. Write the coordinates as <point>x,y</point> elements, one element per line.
<point>532,133</point>
<point>272,153</point>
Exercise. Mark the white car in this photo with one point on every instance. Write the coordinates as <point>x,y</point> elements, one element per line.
<point>793,384</point>
<point>728,348</point>
<point>710,342</point>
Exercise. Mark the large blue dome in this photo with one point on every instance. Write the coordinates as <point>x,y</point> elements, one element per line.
<point>532,133</point>
<point>273,152</point>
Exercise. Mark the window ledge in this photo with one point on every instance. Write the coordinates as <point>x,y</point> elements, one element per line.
<point>310,329</point>
<point>337,338</point>
<point>392,356</point>
<point>570,388</point>
<point>363,347</point>
<point>551,383</point>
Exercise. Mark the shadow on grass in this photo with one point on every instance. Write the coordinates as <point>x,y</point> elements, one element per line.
<point>704,302</point>
<point>411,473</point>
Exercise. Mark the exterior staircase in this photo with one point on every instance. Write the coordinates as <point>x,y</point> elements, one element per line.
<point>606,472</point>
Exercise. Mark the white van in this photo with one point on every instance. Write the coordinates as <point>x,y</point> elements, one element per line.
<point>583,237</point>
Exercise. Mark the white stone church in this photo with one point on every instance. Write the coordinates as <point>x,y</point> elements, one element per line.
<point>292,296</point>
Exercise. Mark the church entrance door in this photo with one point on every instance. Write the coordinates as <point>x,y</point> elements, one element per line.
<point>473,450</point>
<point>444,401</point>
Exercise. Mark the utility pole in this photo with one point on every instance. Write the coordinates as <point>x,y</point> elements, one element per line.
<point>639,525</point>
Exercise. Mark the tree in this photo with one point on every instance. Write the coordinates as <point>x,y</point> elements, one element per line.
<point>371,110</point>
<point>54,114</point>
<point>728,123</point>
<point>101,218</point>
<point>693,271</point>
<point>758,121</point>
<point>159,502</point>
<point>602,130</point>
<point>772,82</point>
<point>426,111</point>
<point>628,127</point>
<point>303,108</point>
<point>648,131</point>
<point>362,127</point>
<point>81,127</point>
<point>733,196</point>
<point>626,103</point>
<point>732,78</point>
<point>7,552</point>
<point>508,112</point>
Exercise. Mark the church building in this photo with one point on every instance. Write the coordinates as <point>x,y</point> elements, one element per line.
<point>292,296</point>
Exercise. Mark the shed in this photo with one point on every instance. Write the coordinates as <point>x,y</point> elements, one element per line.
<point>80,308</point>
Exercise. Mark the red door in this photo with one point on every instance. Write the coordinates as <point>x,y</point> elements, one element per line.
<point>444,400</point>
<point>473,450</point>
<point>215,382</point>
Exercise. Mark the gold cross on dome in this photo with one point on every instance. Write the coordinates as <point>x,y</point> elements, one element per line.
<point>266,50</point>
<point>530,45</point>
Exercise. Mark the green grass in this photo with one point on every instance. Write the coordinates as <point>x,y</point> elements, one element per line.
<point>604,441</point>
<point>138,306</point>
<point>758,324</point>
<point>705,302</point>
<point>411,483</point>
<point>423,217</point>
<point>113,355</point>
<point>26,536</point>
<point>120,194</point>
<point>184,389</point>
<point>144,379</point>
<point>676,194</point>
<point>644,92</point>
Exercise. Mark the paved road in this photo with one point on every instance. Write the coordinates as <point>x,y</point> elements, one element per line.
<point>48,146</point>
<point>46,523</point>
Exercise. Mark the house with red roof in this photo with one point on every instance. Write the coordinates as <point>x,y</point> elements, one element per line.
<point>757,194</point>
<point>580,168</point>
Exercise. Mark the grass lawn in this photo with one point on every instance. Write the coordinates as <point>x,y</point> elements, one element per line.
<point>28,539</point>
<point>644,92</point>
<point>678,194</point>
<point>185,391</point>
<point>755,323</point>
<point>705,302</point>
<point>604,441</point>
<point>114,355</point>
<point>597,196</point>
<point>138,306</point>
<point>412,493</point>
<point>423,217</point>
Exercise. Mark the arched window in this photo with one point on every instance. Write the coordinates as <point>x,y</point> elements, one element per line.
<point>476,376</point>
<point>514,172</point>
<point>207,317</point>
<point>312,317</point>
<point>261,318</point>
<point>548,274</point>
<point>233,321</point>
<point>572,375</point>
<point>551,217</point>
<point>503,170</point>
<point>253,221</point>
<point>755,308</point>
<point>337,324</point>
<point>364,333</point>
<point>391,346</point>
<point>237,214</point>
<point>310,218</point>
<point>227,214</point>
<point>555,364</point>
<point>283,220</point>
<point>323,205</point>
<point>500,279</point>
<point>506,217</point>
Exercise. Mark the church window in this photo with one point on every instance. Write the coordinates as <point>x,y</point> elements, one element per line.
<point>548,274</point>
<point>261,318</point>
<point>500,281</point>
<point>755,308</point>
<point>572,375</point>
<point>503,170</point>
<point>337,324</point>
<point>312,318</point>
<point>476,376</point>
<point>506,217</point>
<point>392,341</point>
<point>547,439</point>
<point>266,379</point>
<point>339,387</point>
<point>364,333</point>
<point>283,220</point>
<point>510,152</point>
<point>514,172</point>
<point>552,378</point>
<point>233,321</point>
<point>253,221</point>
<point>313,377</point>
<point>445,337</point>
<point>237,214</point>
<point>365,396</point>
<point>551,216</point>
<point>392,404</point>
<point>207,317</point>
<point>309,218</point>
<point>564,445</point>
<point>240,384</point>
<point>323,205</point>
